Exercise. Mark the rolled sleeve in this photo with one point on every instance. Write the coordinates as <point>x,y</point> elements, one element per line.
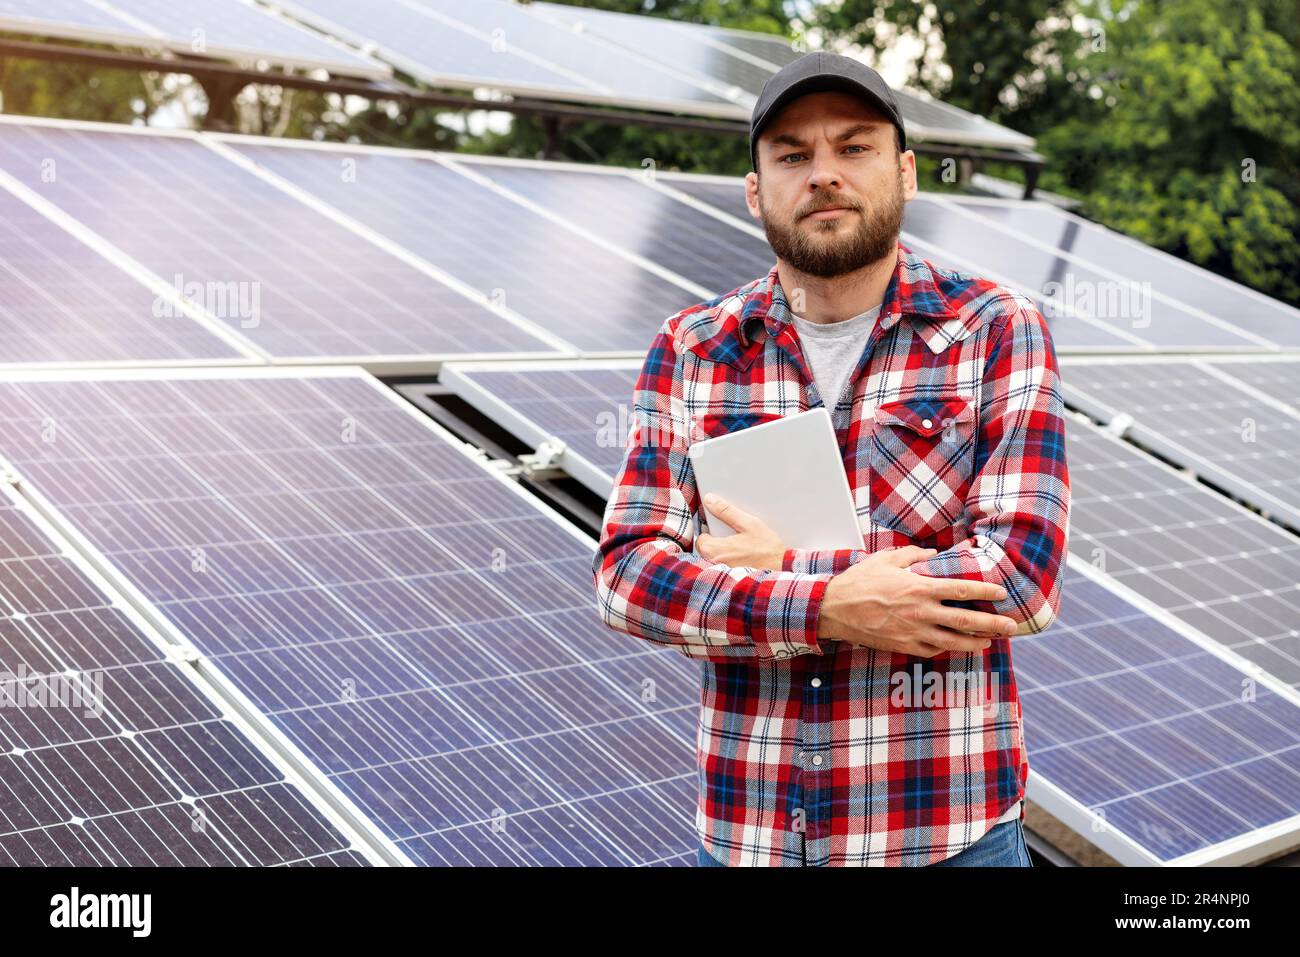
<point>819,561</point>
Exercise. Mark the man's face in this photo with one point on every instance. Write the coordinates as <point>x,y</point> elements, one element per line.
<point>831,184</point>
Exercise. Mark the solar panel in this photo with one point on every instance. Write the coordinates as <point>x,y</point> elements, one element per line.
<point>488,43</point>
<point>108,754</point>
<point>1203,418</point>
<point>586,405</point>
<point>634,216</point>
<point>744,61</point>
<point>686,47</point>
<point>1212,564</point>
<point>415,623</point>
<point>1152,746</point>
<point>1071,329</point>
<point>227,29</point>
<point>1138,735</point>
<point>774,50</point>
<point>62,302</point>
<point>276,272</point>
<point>1273,377</point>
<point>574,287</point>
<point>1246,308</point>
<point>1120,304</point>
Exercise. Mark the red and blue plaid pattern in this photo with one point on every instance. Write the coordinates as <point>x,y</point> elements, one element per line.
<point>953,437</point>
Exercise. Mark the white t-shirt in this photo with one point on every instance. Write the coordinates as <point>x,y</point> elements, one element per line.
<point>833,350</point>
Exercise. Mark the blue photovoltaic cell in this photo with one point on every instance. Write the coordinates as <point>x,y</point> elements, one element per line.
<point>60,301</point>
<point>222,28</point>
<point>1243,307</point>
<point>640,219</point>
<point>1149,731</point>
<point>1068,332</point>
<point>1129,718</point>
<point>137,767</point>
<point>422,631</point>
<point>571,286</point>
<point>1277,378</point>
<point>277,272</point>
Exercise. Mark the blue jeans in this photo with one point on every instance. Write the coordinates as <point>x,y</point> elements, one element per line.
<point>1003,846</point>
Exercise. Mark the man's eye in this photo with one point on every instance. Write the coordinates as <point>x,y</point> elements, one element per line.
<point>789,156</point>
<point>855,147</point>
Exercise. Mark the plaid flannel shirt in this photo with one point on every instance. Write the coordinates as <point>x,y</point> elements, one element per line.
<point>952,433</point>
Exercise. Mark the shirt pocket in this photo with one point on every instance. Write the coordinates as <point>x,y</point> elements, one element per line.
<point>711,425</point>
<point>922,456</point>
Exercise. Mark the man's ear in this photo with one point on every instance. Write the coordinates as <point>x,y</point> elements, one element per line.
<point>907,169</point>
<point>751,195</point>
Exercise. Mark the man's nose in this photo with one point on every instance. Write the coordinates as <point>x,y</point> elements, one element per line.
<point>823,174</point>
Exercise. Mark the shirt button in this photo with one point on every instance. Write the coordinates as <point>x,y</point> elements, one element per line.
<point>817,760</point>
<point>926,423</point>
<point>816,682</point>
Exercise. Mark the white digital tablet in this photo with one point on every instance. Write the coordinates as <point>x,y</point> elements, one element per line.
<point>789,473</point>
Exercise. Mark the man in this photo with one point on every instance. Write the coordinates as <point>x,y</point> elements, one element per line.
<point>858,706</point>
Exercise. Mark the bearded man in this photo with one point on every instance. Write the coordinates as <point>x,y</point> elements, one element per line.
<point>813,747</point>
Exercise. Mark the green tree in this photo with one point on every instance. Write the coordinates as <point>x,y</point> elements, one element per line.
<point>986,56</point>
<point>1186,133</point>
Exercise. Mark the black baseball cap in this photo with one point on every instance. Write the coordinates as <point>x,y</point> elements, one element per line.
<point>821,73</point>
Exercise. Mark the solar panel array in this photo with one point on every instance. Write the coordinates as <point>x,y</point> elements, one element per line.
<point>1143,729</point>
<point>276,272</point>
<point>1153,734</point>
<point>513,255</point>
<point>418,631</point>
<point>742,62</point>
<point>64,301</point>
<point>1255,316</point>
<point>227,29</point>
<point>1088,308</point>
<point>586,406</point>
<point>109,755</point>
<point>1209,418</point>
<point>488,43</point>
<point>416,625</point>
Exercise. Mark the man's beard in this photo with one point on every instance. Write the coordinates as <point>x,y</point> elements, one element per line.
<point>875,237</point>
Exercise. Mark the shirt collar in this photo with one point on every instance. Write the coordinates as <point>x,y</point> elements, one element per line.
<point>933,300</point>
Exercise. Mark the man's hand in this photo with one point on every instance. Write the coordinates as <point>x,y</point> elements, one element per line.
<point>753,546</point>
<point>878,603</point>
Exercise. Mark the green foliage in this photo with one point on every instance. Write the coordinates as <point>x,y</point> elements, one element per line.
<point>1186,137</point>
<point>989,47</point>
<point>45,88</point>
